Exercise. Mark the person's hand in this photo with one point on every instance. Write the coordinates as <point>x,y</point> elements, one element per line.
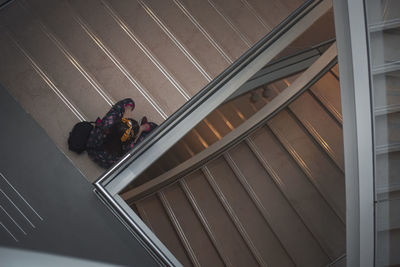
<point>145,127</point>
<point>142,128</point>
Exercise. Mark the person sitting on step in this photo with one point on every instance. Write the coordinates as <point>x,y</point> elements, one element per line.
<point>116,134</point>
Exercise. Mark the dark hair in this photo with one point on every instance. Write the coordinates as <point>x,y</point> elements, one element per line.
<point>112,143</point>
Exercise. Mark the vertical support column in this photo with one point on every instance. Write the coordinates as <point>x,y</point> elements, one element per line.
<point>355,86</point>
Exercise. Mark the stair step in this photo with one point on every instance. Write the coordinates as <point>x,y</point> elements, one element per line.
<point>386,89</point>
<point>134,56</point>
<point>335,70</point>
<point>202,246</point>
<point>223,229</point>
<point>294,235</point>
<point>216,27</point>
<point>153,214</point>
<point>327,90</point>
<point>189,36</point>
<point>217,124</point>
<point>162,46</point>
<point>48,56</point>
<point>314,210</point>
<point>58,18</point>
<point>243,105</point>
<point>385,25</point>
<point>320,125</point>
<point>182,151</point>
<point>382,11</point>
<point>254,228</point>
<point>242,18</point>
<point>386,68</point>
<point>315,163</point>
<point>384,47</point>
<point>272,12</point>
<point>232,113</point>
<point>388,169</point>
<point>41,102</point>
<point>387,129</point>
<point>203,128</point>
<point>195,141</point>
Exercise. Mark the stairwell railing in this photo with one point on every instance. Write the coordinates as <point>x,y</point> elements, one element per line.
<point>110,184</point>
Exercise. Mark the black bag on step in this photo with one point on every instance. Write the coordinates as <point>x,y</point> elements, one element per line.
<point>79,136</point>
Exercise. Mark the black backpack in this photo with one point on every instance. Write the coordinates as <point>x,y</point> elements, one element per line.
<point>79,136</point>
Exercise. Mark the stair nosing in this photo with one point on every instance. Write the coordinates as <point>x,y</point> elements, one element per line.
<point>307,172</point>
<point>111,55</point>
<point>175,40</point>
<point>232,216</point>
<point>203,31</point>
<point>178,228</point>
<point>281,187</point>
<point>204,222</point>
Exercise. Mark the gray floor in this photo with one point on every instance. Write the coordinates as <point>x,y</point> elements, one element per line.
<point>55,210</point>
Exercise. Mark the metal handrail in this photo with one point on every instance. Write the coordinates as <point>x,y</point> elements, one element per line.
<point>308,78</point>
<point>131,165</point>
<point>213,88</point>
<point>283,67</point>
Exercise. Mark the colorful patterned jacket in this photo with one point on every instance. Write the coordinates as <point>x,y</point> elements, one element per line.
<point>97,136</point>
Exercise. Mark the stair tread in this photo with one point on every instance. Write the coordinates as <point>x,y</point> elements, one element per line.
<point>384,48</point>
<point>327,89</point>
<point>198,238</point>
<point>316,213</point>
<point>232,114</point>
<point>320,125</point>
<point>217,123</point>
<point>187,33</point>
<point>257,229</point>
<point>335,70</point>
<point>274,12</point>
<point>161,46</point>
<point>243,19</point>
<point>59,18</point>
<point>233,246</point>
<point>206,133</point>
<point>37,98</point>
<point>384,25</point>
<point>315,163</point>
<point>380,12</point>
<point>195,141</point>
<point>282,218</point>
<point>217,28</point>
<point>387,171</point>
<point>387,129</point>
<point>386,90</point>
<point>243,105</point>
<point>46,54</point>
<point>153,214</point>
<point>129,54</point>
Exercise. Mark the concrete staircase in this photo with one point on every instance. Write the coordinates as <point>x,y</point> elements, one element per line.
<point>277,198</point>
<point>68,61</point>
